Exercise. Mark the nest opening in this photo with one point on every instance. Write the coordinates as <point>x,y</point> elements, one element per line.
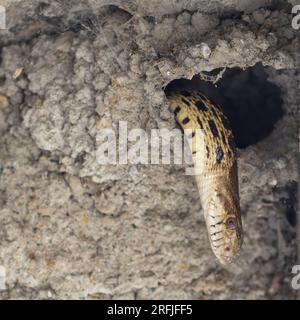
<point>250,101</point>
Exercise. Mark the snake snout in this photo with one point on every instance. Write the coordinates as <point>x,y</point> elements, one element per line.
<point>226,259</point>
<point>225,239</point>
<point>226,254</point>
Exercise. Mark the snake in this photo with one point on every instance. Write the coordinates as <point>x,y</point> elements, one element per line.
<point>214,157</point>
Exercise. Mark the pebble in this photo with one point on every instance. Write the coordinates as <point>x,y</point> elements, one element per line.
<point>3,102</point>
<point>260,16</point>
<point>205,50</point>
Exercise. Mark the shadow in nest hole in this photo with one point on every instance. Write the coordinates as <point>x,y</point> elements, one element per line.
<point>252,103</point>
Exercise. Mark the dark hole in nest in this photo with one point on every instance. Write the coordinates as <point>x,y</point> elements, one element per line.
<point>252,103</point>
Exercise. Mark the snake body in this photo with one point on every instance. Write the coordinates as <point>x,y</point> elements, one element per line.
<point>215,165</point>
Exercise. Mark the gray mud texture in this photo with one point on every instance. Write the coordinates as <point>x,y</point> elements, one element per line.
<point>71,228</point>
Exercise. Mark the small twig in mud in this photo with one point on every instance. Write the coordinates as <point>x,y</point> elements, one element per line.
<point>210,78</point>
<point>18,73</point>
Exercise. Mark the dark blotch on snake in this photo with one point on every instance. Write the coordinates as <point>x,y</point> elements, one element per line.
<point>207,152</point>
<point>186,102</point>
<point>201,105</point>
<point>186,120</point>
<point>190,136</point>
<point>223,137</point>
<point>219,154</point>
<point>177,110</point>
<point>179,125</point>
<point>213,128</point>
<point>200,122</point>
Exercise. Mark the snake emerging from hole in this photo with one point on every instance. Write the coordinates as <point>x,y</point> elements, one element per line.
<point>215,164</point>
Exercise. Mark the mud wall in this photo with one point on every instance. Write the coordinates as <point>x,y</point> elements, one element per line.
<point>71,228</point>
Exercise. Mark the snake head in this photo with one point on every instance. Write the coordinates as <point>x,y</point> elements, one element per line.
<point>224,226</point>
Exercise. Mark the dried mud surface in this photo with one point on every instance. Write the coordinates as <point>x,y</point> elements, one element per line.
<point>71,228</point>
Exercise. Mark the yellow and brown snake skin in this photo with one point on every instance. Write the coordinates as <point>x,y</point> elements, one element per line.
<point>215,165</point>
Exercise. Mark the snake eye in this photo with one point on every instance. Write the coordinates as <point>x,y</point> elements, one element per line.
<point>230,224</point>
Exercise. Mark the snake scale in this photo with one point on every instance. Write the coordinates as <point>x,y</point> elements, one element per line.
<point>215,166</point>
